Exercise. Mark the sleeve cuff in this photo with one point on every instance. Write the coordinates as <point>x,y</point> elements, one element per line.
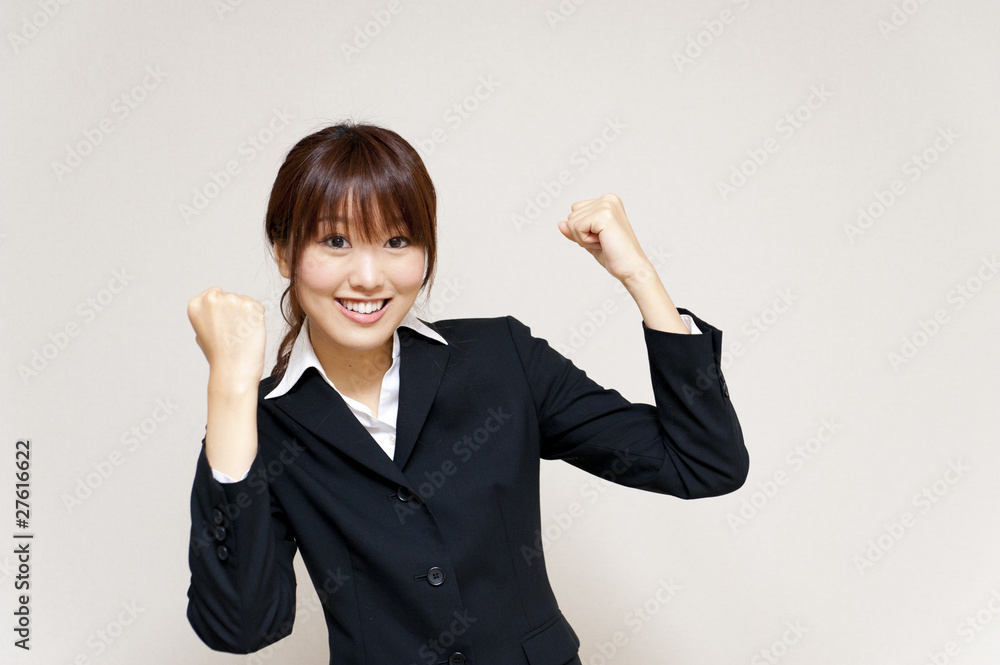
<point>691,325</point>
<point>223,478</point>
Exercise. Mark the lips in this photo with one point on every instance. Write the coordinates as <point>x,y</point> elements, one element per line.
<point>364,306</point>
<point>358,317</point>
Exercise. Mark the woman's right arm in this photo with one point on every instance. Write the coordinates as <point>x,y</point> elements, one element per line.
<point>242,593</point>
<point>230,330</point>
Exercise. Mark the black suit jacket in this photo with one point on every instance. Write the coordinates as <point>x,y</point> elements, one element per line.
<point>434,557</point>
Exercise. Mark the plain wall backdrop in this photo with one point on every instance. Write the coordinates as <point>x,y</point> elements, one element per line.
<point>818,180</point>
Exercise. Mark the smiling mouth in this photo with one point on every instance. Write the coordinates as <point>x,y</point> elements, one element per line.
<point>364,306</point>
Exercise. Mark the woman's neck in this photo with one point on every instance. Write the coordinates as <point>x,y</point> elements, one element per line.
<point>355,372</point>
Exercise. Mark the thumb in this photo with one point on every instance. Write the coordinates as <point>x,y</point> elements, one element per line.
<point>589,240</point>
<point>564,229</point>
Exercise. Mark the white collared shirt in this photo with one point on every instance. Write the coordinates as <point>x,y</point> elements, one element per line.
<point>383,427</point>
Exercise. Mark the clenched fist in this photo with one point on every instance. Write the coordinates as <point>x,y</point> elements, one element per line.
<point>601,227</point>
<point>230,330</point>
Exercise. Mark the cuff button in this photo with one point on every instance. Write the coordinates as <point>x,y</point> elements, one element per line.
<point>435,576</point>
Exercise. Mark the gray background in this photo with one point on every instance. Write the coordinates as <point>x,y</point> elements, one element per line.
<point>812,304</point>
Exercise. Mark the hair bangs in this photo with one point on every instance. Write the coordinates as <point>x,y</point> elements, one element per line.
<point>360,193</point>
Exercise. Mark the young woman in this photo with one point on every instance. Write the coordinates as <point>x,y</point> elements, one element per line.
<point>401,457</point>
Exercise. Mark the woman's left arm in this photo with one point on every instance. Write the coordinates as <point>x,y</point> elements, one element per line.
<point>601,227</point>
<point>697,447</point>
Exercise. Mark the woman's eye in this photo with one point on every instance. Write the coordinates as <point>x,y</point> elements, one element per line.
<point>403,242</point>
<point>336,242</point>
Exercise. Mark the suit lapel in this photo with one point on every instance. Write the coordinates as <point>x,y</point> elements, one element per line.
<point>316,406</point>
<point>422,363</point>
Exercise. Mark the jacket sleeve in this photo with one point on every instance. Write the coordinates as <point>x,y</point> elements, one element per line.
<point>689,445</point>
<point>242,592</point>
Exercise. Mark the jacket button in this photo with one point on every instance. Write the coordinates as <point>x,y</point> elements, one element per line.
<point>435,577</point>
<point>457,658</point>
<point>219,532</point>
<point>222,552</point>
<point>725,390</point>
<point>404,494</point>
<point>217,516</point>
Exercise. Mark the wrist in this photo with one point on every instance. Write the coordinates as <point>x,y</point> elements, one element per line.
<point>234,388</point>
<point>643,277</point>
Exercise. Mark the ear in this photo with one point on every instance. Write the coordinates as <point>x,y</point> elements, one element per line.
<point>279,257</point>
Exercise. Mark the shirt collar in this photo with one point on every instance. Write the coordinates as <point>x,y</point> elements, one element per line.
<point>303,355</point>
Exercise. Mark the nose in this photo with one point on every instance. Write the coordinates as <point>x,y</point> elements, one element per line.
<point>366,269</point>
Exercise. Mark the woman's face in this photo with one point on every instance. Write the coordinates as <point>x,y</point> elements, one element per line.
<point>338,273</point>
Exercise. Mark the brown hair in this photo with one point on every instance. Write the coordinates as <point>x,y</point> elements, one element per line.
<point>390,192</point>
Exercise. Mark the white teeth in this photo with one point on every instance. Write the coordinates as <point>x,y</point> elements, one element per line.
<point>362,307</point>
